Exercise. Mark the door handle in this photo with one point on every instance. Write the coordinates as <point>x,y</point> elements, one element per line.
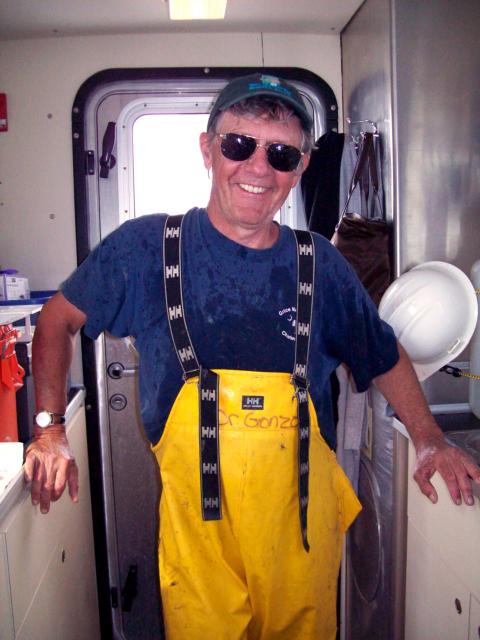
<point>107,159</point>
<point>116,370</point>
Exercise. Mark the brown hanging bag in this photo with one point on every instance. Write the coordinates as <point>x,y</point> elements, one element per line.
<point>364,241</point>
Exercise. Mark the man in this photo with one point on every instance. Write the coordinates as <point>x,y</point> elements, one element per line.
<point>236,318</point>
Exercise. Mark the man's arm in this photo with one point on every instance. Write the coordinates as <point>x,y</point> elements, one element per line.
<point>401,388</point>
<point>49,462</point>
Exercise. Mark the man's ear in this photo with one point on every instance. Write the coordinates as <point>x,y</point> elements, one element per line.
<point>303,164</point>
<point>205,148</point>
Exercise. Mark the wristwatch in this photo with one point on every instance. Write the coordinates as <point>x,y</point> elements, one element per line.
<point>47,418</point>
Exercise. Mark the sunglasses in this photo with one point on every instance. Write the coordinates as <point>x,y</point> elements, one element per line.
<point>237,147</point>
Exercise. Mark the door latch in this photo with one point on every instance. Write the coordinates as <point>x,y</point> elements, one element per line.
<point>116,370</point>
<point>107,160</point>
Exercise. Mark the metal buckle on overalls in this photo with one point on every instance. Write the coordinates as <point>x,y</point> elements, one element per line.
<point>299,383</point>
<point>188,375</point>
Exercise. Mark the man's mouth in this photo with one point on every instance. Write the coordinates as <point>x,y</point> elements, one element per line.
<point>250,188</point>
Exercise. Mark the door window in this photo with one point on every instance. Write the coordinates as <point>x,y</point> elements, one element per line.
<point>169,175</point>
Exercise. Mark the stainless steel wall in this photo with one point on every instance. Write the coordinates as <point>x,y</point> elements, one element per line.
<point>367,82</point>
<point>436,109</point>
<point>437,112</point>
<point>412,66</point>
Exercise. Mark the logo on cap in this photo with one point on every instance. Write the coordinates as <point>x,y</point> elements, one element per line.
<point>269,82</point>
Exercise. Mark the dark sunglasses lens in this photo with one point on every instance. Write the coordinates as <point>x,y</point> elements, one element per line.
<point>237,147</point>
<point>283,157</point>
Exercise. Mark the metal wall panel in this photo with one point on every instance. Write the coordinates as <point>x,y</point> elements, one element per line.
<point>437,112</point>
<point>367,82</point>
<point>437,118</point>
<point>413,65</point>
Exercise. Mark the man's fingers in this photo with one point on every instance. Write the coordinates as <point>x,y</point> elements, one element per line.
<point>468,472</point>
<point>422,478</point>
<point>38,477</point>
<point>472,469</point>
<point>455,467</point>
<point>73,481</point>
<point>28,467</point>
<point>49,466</point>
<point>451,478</point>
<point>45,497</point>
<point>60,482</point>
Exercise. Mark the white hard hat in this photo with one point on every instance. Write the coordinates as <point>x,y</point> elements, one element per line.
<point>433,311</point>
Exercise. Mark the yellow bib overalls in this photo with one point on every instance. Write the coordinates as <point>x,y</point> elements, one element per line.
<point>234,564</point>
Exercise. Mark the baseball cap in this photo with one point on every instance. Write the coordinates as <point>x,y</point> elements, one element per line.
<point>259,84</point>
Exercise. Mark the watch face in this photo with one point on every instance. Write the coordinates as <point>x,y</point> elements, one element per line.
<point>43,419</point>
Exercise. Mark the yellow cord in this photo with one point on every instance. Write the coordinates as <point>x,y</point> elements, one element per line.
<point>469,375</point>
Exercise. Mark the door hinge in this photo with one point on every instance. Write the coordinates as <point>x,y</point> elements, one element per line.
<point>89,163</point>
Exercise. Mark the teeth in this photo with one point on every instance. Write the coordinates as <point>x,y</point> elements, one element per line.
<point>252,189</point>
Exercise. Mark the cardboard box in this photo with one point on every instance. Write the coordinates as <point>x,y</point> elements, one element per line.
<point>14,287</point>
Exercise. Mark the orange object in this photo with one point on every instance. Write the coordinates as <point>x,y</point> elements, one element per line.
<point>11,379</point>
<point>3,112</point>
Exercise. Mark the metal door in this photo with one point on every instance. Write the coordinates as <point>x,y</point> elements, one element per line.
<point>125,480</point>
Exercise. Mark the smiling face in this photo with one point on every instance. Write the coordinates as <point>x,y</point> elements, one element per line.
<point>246,195</point>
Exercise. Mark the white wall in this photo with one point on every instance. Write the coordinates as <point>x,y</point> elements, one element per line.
<point>41,78</point>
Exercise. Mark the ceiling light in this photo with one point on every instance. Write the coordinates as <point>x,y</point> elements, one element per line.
<point>197,9</point>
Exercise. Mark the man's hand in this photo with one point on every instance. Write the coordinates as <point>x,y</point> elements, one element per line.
<point>455,466</point>
<point>50,466</point>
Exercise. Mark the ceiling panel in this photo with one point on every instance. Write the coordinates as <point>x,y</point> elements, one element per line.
<point>46,18</point>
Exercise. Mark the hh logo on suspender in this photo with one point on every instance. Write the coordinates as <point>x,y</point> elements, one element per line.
<point>252,402</point>
<point>186,354</point>
<point>172,232</point>
<point>209,468</point>
<point>301,370</point>
<point>210,503</point>
<point>302,395</point>
<point>303,329</point>
<point>175,312</point>
<point>305,289</point>
<point>306,250</point>
<point>209,395</point>
<point>172,271</point>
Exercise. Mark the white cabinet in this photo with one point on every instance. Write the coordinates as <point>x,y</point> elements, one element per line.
<point>437,604</point>
<point>47,566</point>
<point>443,565</point>
<point>474,629</point>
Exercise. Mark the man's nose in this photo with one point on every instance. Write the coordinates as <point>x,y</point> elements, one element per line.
<point>258,161</point>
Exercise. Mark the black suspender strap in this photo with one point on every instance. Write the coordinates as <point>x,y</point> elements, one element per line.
<point>210,483</point>
<point>174,298</point>
<point>305,287</point>
<point>208,380</point>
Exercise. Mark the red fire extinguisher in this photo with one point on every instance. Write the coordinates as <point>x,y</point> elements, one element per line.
<point>11,379</point>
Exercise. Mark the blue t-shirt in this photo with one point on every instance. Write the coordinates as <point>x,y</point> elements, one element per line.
<point>240,308</point>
